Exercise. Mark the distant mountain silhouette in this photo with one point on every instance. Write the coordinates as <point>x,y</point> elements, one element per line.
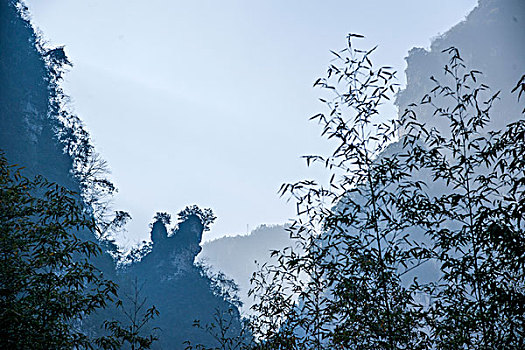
<point>237,256</point>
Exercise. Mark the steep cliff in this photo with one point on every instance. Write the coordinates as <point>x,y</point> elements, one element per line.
<point>179,288</point>
<point>36,131</point>
<point>490,40</point>
<point>29,126</point>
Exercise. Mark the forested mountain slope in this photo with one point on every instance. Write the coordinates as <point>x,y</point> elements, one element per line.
<point>36,130</point>
<point>39,134</point>
<point>179,289</point>
<point>29,123</point>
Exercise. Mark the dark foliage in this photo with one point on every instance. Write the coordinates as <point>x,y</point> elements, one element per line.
<point>134,332</point>
<point>47,283</point>
<point>206,216</point>
<point>448,200</point>
<point>476,220</point>
<point>340,285</point>
<point>181,290</point>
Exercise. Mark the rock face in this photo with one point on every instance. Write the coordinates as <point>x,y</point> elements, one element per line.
<point>32,128</point>
<point>28,124</point>
<point>490,40</point>
<point>177,287</point>
<point>173,256</point>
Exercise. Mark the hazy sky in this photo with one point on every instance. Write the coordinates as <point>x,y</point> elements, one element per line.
<point>207,102</point>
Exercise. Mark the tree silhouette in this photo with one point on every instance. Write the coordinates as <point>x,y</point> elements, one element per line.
<point>448,201</point>
<point>47,283</point>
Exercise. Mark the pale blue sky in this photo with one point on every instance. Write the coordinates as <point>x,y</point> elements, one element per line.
<point>207,102</point>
